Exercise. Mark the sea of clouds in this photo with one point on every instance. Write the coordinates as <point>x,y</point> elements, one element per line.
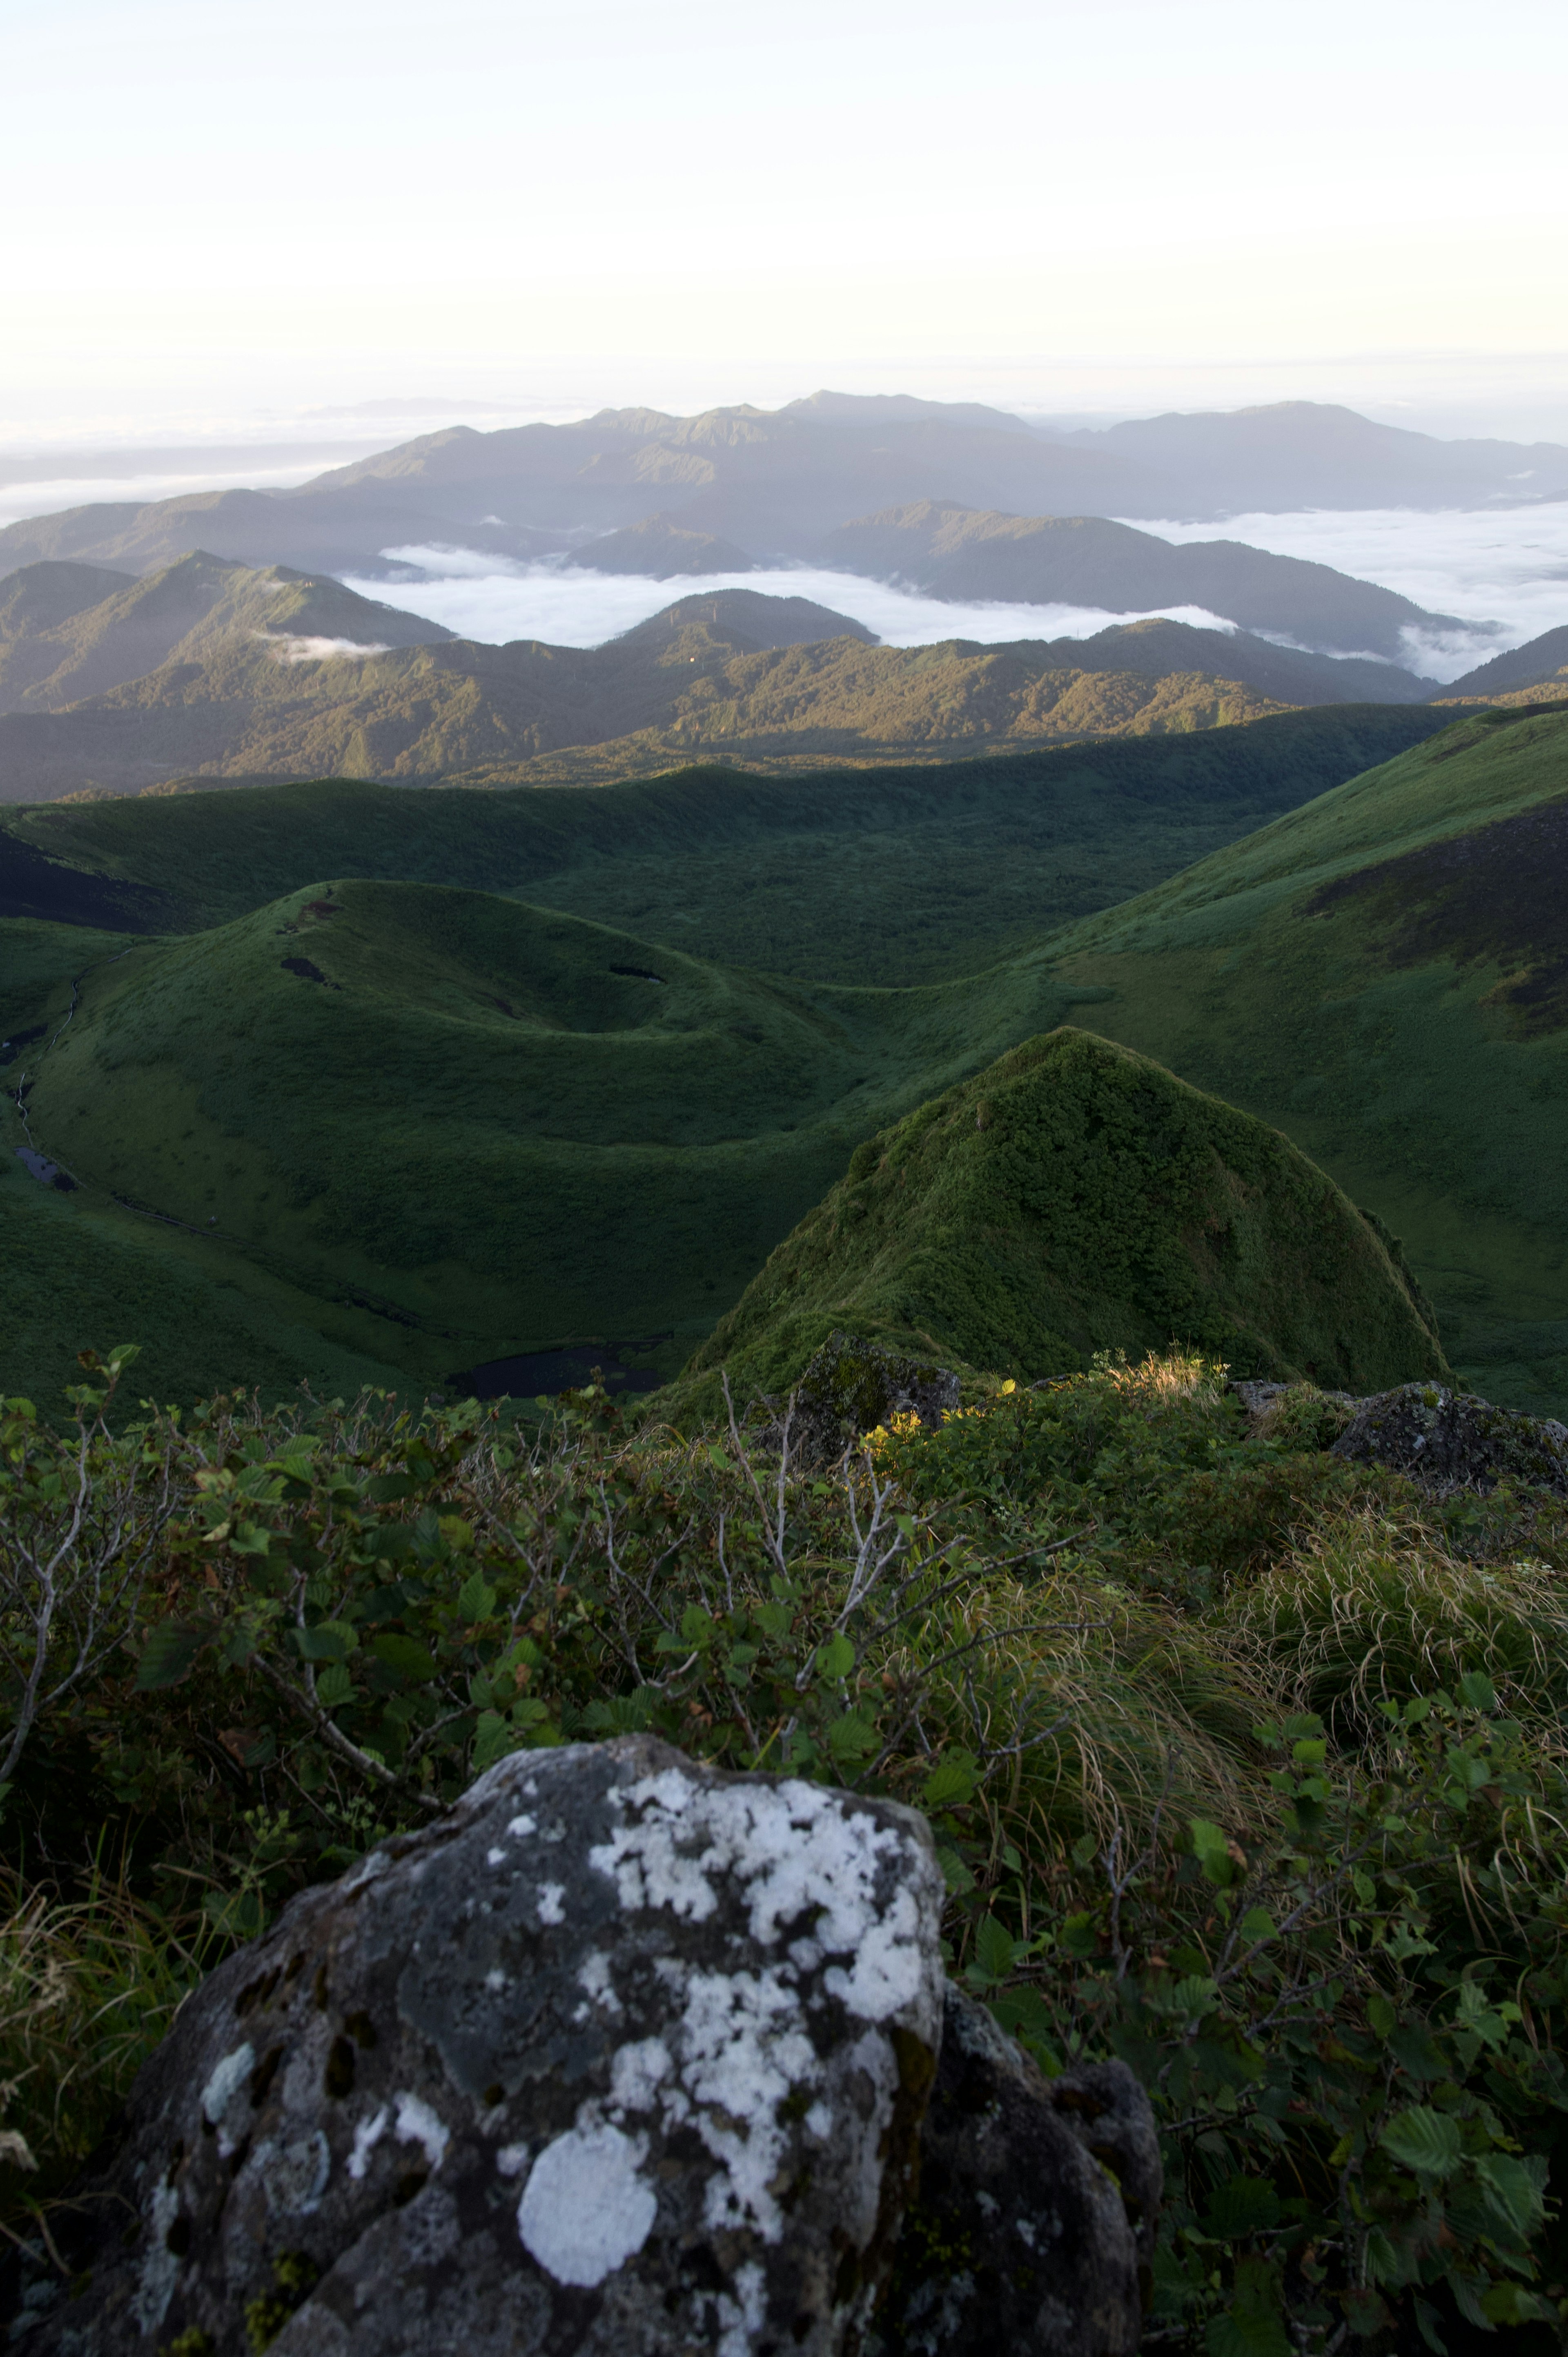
<point>568,606</point>
<point>1501,573</point>
<point>1503,566</point>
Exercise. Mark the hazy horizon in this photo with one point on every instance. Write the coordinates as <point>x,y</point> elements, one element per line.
<point>1080,213</point>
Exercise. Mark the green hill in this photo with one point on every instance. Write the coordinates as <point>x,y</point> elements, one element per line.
<point>899,875</point>
<point>455,1127</point>
<point>1379,972</point>
<point>1076,1198</point>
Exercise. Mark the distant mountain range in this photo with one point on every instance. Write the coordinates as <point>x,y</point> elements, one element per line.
<point>977,500</point>
<point>211,669</point>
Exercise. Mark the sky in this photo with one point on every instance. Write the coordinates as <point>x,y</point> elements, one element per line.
<point>224,220</point>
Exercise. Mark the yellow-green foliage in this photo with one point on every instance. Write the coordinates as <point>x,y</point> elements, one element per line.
<point>1075,1198</point>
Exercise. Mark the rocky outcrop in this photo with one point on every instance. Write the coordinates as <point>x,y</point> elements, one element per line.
<point>1447,1441</point>
<point>1034,2226</point>
<point>848,1389</point>
<point>622,2055</point>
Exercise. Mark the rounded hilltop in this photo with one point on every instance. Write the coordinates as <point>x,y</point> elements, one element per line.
<point>1076,1197</point>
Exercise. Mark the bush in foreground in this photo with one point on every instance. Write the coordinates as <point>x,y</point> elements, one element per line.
<point>1243,1764</point>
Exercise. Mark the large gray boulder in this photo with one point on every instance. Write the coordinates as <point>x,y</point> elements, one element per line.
<point>1034,2227</point>
<point>621,2056</point>
<point>1449,1441</point>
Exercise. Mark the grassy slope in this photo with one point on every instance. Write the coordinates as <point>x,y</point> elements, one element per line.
<point>473,1132</point>
<point>1413,1045</point>
<point>1075,1198</point>
<point>886,877</point>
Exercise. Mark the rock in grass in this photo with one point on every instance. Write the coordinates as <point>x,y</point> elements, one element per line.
<point>1448,1441</point>
<point>848,1389</point>
<point>623,2055</point>
<point>1022,2241</point>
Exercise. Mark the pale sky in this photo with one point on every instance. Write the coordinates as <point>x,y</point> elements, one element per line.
<point>214,210</point>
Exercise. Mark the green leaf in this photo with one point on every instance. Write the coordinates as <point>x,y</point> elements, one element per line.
<point>994,1948</point>
<point>475,1598</point>
<point>1242,2206</point>
<point>408,1660</point>
<point>493,1739</point>
<point>329,1640</point>
<point>1478,1690</point>
<point>851,1737</point>
<point>334,1686</point>
<point>1211,1847</point>
<point>837,1658</point>
<point>1515,2190</point>
<point>1252,2326</point>
<point>949,1783</point>
<point>168,1655</point>
<point>1424,2140</point>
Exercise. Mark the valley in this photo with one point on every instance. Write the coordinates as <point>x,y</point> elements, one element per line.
<point>385,1117</point>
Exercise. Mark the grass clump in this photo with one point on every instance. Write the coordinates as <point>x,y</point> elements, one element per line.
<point>1372,1609</point>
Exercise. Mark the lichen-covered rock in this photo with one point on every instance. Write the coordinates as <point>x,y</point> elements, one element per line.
<point>1021,2240</point>
<point>622,2055</point>
<point>849,1388</point>
<point>1447,1441</point>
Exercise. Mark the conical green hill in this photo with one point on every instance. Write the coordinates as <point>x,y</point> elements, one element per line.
<point>1076,1197</point>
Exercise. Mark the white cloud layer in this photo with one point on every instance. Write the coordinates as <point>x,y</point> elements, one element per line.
<point>1506,567</point>
<point>570,607</point>
<point>295,649</point>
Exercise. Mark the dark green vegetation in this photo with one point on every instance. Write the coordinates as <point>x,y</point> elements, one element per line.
<point>442,1152</point>
<point>891,876</point>
<point>1243,1764</point>
<point>1380,974</point>
<point>402,1170</point>
<point>1075,1199</point>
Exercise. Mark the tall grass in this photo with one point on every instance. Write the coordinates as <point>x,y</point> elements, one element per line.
<point>88,1986</point>
<point>1372,1607</point>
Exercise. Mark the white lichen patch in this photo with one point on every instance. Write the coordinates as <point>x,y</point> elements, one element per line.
<point>512,2159</point>
<point>593,1978</point>
<point>417,2124</point>
<point>367,2136</point>
<point>743,2312</point>
<point>548,1902</point>
<point>587,2208</point>
<point>221,2090</point>
<point>519,1826</point>
<point>796,1853</point>
<point>495,1858</point>
<point>229,2075</point>
<point>160,2267</point>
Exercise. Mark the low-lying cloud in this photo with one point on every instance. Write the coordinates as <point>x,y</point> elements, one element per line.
<point>296,650</point>
<point>1501,571</point>
<point>570,607</point>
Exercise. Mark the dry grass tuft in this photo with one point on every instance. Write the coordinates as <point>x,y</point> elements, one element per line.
<point>1368,1609</point>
